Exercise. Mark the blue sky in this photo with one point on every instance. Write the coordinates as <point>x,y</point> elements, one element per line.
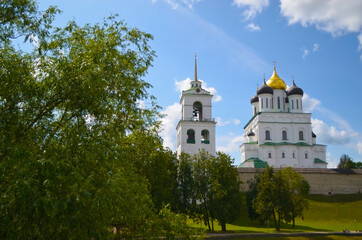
<point>237,41</point>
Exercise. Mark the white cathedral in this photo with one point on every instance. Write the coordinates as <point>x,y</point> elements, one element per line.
<point>279,134</point>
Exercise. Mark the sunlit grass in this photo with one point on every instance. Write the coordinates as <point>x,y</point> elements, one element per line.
<point>326,213</point>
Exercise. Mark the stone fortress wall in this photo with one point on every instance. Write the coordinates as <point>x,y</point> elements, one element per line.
<point>321,181</point>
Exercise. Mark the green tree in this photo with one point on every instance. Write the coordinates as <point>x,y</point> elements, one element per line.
<point>281,195</point>
<point>201,176</point>
<point>225,188</point>
<point>250,198</point>
<point>266,202</point>
<point>21,18</point>
<point>68,110</point>
<point>346,162</point>
<point>296,188</point>
<point>156,164</point>
<point>217,189</point>
<point>185,184</point>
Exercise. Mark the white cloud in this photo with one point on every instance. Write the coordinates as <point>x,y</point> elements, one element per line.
<point>336,17</point>
<point>177,3</point>
<point>220,122</point>
<point>232,145</point>
<point>252,27</point>
<point>305,53</point>
<point>315,47</point>
<point>253,7</point>
<point>185,84</point>
<point>172,115</point>
<point>358,147</point>
<point>360,42</point>
<point>309,104</point>
<point>329,134</point>
<point>333,16</point>
<point>332,161</point>
<point>236,121</point>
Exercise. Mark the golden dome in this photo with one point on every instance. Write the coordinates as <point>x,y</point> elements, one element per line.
<point>275,82</point>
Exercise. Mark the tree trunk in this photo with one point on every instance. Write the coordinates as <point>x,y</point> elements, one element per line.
<point>278,227</point>
<point>208,224</point>
<point>275,221</point>
<point>212,223</point>
<point>223,227</point>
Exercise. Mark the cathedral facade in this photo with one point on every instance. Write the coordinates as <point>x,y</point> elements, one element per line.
<point>279,133</point>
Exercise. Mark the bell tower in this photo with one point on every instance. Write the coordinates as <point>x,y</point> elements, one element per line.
<point>196,128</point>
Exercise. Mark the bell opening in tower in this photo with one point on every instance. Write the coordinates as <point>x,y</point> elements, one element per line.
<point>197,111</point>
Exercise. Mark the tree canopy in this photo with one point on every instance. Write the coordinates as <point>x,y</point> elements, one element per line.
<point>280,195</point>
<point>70,125</point>
<point>346,162</point>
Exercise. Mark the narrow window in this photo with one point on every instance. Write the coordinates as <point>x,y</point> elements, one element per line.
<point>284,135</point>
<point>267,135</point>
<point>262,103</point>
<point>284,103</point>
<point>297,104</point>
<point>278,102</point>
<point>266,103</point>
<point>292,104</point>
<point>272,103</point>
<point>254,110</point>
<point>293,155</point>
<point>283,155</point>
<point>301,137</point>
<point>269,155</point>
<point>306,155</point>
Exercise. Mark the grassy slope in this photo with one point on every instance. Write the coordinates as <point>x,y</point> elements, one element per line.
<point>326,213</point>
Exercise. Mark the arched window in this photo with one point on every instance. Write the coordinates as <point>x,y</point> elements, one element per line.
<point>293,154</point>
<point>262,103</point>
<point>301,137</point>
<point>205,136</point>
<point>297,104</point>
<point>266,101</point>
<point>267,135</point>
<point>292,104</point>
<point>284,135</point>
<point>306,155</point>
<point>190,136</point>
<point>269,155</point>
<point>197,111</point>
<point>283,154</point>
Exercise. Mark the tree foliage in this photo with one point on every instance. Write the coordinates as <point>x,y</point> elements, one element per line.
<point>70,126</point>
<point>217,189</point>
<point>281,195</point>
<point>346,162</point>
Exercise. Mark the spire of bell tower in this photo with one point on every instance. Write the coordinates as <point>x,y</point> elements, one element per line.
<point>195,68</point>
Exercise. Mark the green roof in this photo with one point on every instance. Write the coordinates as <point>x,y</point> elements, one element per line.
<point>257,163</point>
<point>258,113</point>
<point>317,160</point>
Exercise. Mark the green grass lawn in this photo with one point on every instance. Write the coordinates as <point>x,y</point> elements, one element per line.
<point>326,213</point>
